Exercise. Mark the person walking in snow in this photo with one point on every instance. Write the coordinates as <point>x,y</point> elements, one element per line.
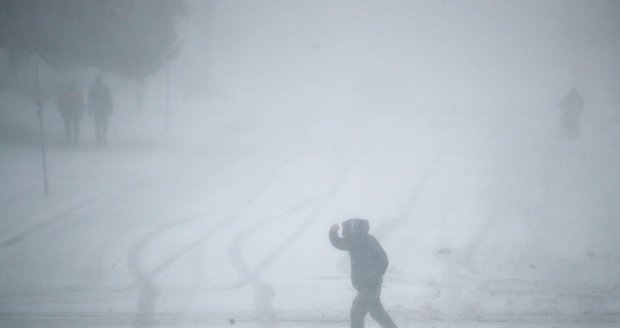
<point>571,107</point>
<point>100,107</point>
<point>71,107</point>
<point>369,263</point>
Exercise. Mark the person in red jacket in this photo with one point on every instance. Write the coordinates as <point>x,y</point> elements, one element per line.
<point>369,263</point>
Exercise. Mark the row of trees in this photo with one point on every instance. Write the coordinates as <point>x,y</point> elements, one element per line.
<point>131,38</point>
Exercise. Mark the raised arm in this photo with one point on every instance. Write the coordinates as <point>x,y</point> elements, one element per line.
<point>336,240</point>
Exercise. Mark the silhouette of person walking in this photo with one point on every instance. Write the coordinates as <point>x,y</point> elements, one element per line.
<point>369,263</point>
<point>263,302</point>
<point>571,107</point>
<point>100,108</point>
<point>71,107</point>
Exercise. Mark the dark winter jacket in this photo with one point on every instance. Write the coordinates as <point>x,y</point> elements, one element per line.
<point>368,259</point>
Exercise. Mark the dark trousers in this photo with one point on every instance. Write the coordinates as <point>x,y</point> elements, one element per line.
<point>101,130</point>
<point>72,130</point>
<point>369,301</point>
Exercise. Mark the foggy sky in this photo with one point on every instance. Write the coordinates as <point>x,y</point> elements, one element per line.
<point>508,55</point>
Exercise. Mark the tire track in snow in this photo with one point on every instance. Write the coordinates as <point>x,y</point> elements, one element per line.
<point>146,280</point>
<point>66,217</point>
<point>84,291</point>
<point>250,275</point>
<point>235,250</point>
<point>263,292</point>
<point>57,219</point>
<point>94,265</point>
<point>342,166</point>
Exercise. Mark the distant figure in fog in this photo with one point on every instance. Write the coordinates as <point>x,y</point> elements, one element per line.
<point>100,108</point>
<point>571,107</point>
<point>369,263</point>
<point>71,107</point>
<point>263,302</point>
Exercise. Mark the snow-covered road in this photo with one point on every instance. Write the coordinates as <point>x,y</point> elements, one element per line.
<point>229,219</point>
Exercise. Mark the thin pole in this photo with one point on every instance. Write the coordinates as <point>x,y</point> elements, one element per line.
<point>40,115</point>
<point>167,113</point>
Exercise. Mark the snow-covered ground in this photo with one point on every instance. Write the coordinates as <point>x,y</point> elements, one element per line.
<point>490,220</point>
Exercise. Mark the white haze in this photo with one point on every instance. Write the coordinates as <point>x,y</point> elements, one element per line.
<point>436,120</point>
